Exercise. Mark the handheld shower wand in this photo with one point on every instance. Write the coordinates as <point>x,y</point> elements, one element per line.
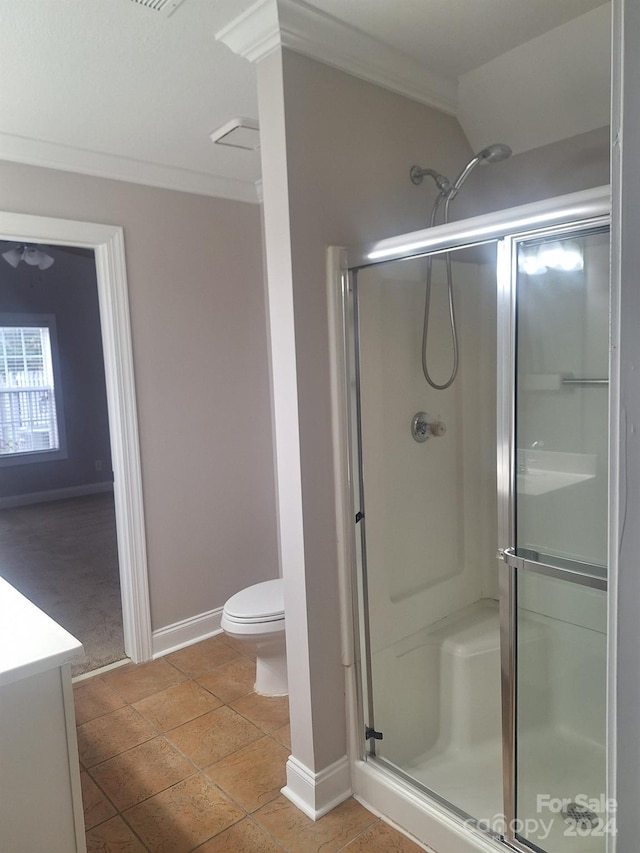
<point>491,154</point>
<point>448,191</point>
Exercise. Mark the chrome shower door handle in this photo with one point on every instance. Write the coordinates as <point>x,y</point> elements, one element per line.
<point>509,556</point>
<point>571,571</point>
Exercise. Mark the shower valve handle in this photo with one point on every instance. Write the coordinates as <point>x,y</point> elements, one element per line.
<point>423,426</point>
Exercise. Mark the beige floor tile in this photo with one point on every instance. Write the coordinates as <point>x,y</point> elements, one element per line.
<point>135,681</point>
<point>231,680</point>
<point>241,646</point>
<point>213,736</point>
<point>243,837</point>
<point>97,807</point>
<point>93,698</point>
<point>112,734</point>
<point>141,772</point>
<point>254,775</point>
<point>114,836</point>
<point>176,705</point>
<point>266,712</point>
<point>182,817</point>
<point>382,838</point>
<point>283,736</point>
<point>202,657</point>
<point>299,834</point>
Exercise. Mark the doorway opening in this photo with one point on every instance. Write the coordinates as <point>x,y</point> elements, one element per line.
<point>57,514</point>
<point>115,499</point>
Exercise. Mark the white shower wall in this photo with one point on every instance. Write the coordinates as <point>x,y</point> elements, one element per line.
<point>431,507</point>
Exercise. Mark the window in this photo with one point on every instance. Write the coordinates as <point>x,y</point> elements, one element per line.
<point>30,425</point>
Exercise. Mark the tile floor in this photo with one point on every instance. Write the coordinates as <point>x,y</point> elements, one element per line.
<point>180,754</point>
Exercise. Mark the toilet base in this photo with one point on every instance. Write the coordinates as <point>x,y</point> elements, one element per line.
<point>271,668</point>
<point>271,658</point>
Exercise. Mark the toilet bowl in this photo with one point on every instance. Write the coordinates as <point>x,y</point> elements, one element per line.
<point>255,616</point>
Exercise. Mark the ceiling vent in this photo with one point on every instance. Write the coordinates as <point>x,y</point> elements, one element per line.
<point>167,7</point>
<point>238,133</point>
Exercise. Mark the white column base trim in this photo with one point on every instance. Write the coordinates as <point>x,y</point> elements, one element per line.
<point>185,633</point>
<point>315,794</point>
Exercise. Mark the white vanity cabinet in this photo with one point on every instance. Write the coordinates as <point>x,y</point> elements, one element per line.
<point>40,795</point>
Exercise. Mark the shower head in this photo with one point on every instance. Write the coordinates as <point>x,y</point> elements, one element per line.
<point>491,154</point>
<point>495,153</point>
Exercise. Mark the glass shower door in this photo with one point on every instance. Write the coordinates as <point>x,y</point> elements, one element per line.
<point>559,524</point>
<point>426,515</point>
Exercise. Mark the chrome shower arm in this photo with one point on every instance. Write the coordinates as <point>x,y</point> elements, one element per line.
<point>417,173</point>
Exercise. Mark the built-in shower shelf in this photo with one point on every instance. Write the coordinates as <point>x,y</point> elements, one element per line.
<point>542,482</point>
<point>544,471</point>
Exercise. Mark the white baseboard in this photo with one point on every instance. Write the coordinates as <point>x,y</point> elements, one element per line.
<point>55,495</point>
<point>185,633</point>
<point>315,794</point>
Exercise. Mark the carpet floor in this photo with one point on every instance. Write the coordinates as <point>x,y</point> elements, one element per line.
<point>63,557</point>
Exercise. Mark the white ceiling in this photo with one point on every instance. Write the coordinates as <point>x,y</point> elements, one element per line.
<point>112,88</point>
<point>451,37</point>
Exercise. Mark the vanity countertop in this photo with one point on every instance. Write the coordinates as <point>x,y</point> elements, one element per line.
<point>30,641</point>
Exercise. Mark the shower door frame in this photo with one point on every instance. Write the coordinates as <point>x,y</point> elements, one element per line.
<point>505,228</point>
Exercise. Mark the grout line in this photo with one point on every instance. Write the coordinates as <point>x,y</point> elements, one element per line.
<point>133,831</point>
<point>371,826</point>
<point>267,832</point>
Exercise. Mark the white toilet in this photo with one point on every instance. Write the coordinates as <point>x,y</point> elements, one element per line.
<point>255,616</point>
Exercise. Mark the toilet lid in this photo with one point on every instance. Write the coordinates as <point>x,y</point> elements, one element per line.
<point>262,602</point>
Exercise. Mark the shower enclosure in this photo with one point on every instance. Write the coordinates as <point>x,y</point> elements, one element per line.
<point>482,681</point>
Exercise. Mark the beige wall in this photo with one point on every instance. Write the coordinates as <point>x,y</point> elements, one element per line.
<point>196,293</point>
<point>563,167</point>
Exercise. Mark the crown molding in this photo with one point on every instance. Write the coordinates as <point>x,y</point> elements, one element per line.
<point>255,33</point>
<point>272,24</point>
<point>68,158</point>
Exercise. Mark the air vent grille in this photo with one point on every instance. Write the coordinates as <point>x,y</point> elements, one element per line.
<point>238,133</point>
<point>167,7</point>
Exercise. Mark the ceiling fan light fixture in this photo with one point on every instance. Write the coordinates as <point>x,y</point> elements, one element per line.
<point>46,261</point>
<point>31,255</point>
<point>12,257</point>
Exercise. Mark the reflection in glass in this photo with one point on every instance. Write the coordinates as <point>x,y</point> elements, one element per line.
<point>562,400</point>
